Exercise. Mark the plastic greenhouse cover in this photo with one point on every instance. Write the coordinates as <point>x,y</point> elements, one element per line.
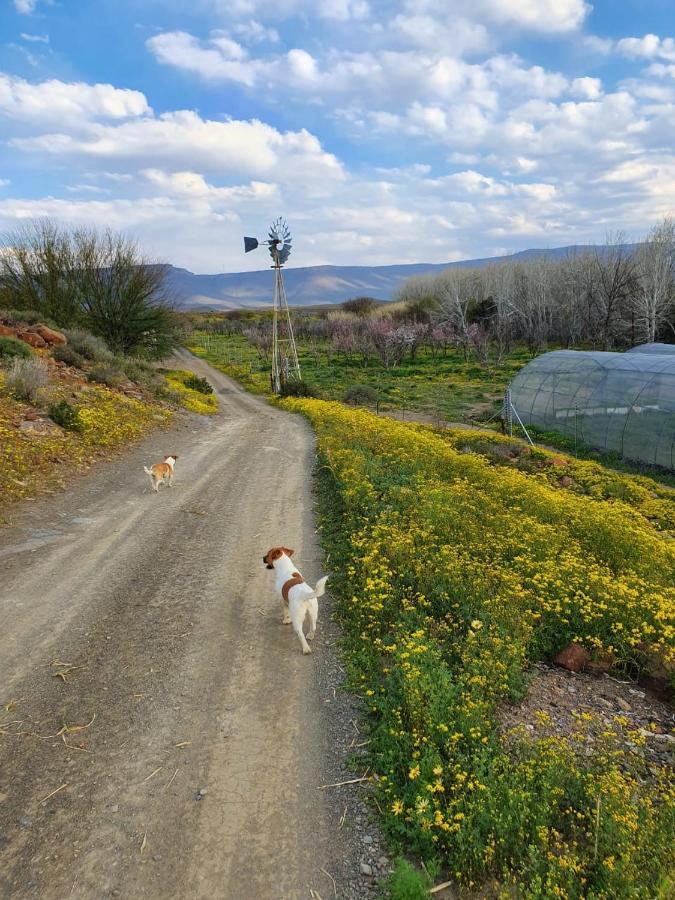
<point>622,402</point>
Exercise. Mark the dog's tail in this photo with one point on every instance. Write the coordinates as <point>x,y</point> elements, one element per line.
<point>147,470</point>
<point>320,588</point>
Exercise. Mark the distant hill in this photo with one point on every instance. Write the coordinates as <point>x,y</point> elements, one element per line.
<point>318,284</point>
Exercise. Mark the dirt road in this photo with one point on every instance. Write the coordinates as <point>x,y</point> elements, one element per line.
<point>207,732</point>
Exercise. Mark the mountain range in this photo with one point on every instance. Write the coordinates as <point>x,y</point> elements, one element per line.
<point>319,284</point>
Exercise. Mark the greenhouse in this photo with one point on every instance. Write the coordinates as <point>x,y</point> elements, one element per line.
<point>613,402</point>
<point>659,349</point>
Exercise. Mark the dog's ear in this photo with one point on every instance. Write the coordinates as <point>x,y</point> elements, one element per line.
<point>287,551</point>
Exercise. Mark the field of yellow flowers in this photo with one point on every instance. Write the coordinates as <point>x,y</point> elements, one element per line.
<point>451,574</point>
<point>196,401</point>
<point>107,419</point>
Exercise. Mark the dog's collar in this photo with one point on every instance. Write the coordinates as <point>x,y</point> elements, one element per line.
<point>296,578</point>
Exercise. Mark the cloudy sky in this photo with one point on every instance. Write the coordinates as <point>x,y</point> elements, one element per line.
<point>383,130</point>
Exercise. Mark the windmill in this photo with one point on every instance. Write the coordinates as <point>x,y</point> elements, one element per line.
<point>285,365</point>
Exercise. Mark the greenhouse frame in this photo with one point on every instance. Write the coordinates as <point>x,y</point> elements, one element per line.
<point>613,402</point>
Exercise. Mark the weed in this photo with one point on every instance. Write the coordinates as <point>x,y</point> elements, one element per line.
<point>28,379</point>
<point>65,415</point>
<point>11,348</point>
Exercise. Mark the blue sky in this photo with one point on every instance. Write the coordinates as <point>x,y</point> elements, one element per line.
<point>384,130</point>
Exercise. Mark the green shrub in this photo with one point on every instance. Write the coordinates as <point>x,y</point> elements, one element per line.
<point>66,415</point>
<point>408,883</point>
<point>104,374</point>
<point>360,395</point>
<point>27,379</point>
<point>21,316</point>
<point>198,384</point>
<point>68,355</point>
<point>88,346</point>
<point>298,388</point>
<point>11,348</point>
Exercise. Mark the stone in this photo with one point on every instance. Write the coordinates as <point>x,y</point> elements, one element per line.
<point>573,658</point>
<point>7,331</point>
<point>565,481</point>
<point>29,337</point>
<point>25,821</point>
<point>557,462</point>
<point>367,839</point>
<point>365,869</point>
<point>50,335</point>
<point>622,704</point>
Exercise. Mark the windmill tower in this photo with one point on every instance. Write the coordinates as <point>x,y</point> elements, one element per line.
<point>285,365</point>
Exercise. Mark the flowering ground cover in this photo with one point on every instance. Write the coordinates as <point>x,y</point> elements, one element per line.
<point>106,420</point>
<point>179,380</point>
<point>451,573</point>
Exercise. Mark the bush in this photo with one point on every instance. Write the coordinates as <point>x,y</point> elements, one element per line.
<point>66,415</point>
<point>298,388</point>
<point>108,375</point>
<point>11,348</point>
<point>69,356</point>
<point>27,379</point>
<point>88,346</point>
<point>20,316</point>
<point>408,883</point>
<point>360,395</point>
<point>200,384</point>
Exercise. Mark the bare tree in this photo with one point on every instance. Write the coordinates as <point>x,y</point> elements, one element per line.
<point>654,295</point>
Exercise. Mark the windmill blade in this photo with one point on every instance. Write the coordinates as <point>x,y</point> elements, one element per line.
<point>250,243</point>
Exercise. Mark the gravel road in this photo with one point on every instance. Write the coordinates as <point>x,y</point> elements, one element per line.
<point>150,620</point>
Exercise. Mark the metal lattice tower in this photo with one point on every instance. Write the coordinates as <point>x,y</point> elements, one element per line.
<point>285,364</point>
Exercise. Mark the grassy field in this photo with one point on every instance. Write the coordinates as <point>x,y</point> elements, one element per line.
<point>445,386</point>
<point>454,570</point>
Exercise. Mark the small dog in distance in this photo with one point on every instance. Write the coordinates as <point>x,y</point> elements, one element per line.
<point>162,473</point>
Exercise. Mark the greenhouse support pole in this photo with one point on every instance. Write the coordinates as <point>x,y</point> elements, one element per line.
<point>511,411</point>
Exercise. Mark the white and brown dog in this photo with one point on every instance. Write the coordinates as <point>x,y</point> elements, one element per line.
<point>298,597</point>
<point>162,473</point>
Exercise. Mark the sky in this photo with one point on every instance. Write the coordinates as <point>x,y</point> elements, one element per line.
<point>384,131</point>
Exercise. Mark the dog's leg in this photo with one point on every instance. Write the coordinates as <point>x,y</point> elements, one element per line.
<point>313,606</point>
<point>286,616</point>
<point>155,484</point>
<point>297,618</point>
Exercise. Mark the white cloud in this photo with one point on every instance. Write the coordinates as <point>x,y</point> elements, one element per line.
<point>183,140</point>
<point>546,16</point>
<point>586,88</point>
<point>648,47</point>
<point>25,7</point>
<point>58,101</point>
<point>343,10</point>
<point>35,38</point>
<point>253,32</point>
<point>459,35</point>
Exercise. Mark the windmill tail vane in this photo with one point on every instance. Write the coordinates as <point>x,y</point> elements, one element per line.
<point>285,364</point>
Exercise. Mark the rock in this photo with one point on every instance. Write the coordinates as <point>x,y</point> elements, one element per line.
<point>25,821</point>
<point>622,704</point>
<point>565,481</point>
<point>600,665</point>
<point>7,331</point>
<point>557,462</point>
<point>573,658</point>
<point>115,808</point>
<point>50,336</point>
<point>29,337</point>
<point>367,839</point>
<point>365,869</point>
